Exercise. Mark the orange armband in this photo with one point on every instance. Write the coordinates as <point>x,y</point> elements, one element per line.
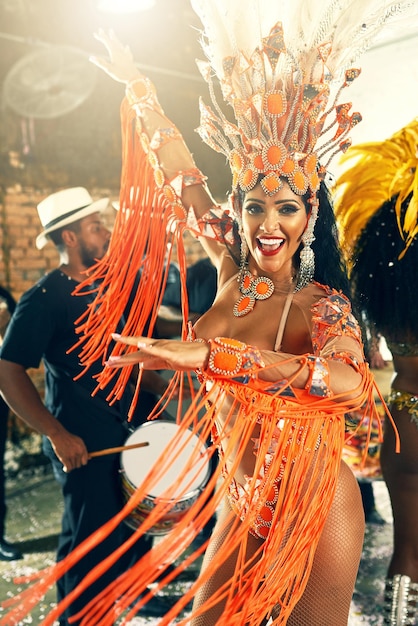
<point>232,358</point>
<point>141,94</point>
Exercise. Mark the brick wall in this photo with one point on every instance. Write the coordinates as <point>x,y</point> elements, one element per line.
<point>21,264</point>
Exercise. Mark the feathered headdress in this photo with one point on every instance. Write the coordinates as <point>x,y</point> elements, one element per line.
<point>278,63</point>
<point>373,173</point>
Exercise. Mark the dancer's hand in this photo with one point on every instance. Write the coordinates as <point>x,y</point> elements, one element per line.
<point>120,66</point>
<point>156,354</point>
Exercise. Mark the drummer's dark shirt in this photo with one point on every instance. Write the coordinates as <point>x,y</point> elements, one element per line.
<point>42,328</point>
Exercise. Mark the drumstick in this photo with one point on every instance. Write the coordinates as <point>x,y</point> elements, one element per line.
<point>118,449</point>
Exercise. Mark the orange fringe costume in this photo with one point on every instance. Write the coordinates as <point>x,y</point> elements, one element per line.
<point>286,501</point>
<point>298,449</point>
<point>297,434</point>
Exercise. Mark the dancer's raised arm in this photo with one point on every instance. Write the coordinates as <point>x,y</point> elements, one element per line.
<point>173,154</point>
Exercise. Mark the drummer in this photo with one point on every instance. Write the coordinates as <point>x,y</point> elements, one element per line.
<point>72,421</point>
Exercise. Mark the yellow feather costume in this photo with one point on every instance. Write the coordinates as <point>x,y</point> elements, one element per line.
<point>373,173</point>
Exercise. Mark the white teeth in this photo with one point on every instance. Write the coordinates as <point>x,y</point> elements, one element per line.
<point>270,242</point>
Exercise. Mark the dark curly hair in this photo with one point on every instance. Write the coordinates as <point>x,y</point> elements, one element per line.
<point>384,286</point>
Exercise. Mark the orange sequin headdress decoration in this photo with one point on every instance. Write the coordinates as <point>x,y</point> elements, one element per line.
<point>283,84</point>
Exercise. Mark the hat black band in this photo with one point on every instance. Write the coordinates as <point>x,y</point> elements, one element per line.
<point>59,219</point>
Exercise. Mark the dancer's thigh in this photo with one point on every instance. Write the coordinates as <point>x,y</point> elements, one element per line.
<point>327,597</point>
<point>225,572</point>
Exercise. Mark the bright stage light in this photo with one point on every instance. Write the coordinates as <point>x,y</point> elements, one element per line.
<point>124,6</point>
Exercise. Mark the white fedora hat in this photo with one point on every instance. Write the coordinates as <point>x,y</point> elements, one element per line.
<point>65,207</point>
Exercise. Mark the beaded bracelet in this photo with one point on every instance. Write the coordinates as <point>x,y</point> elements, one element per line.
<point>229,357</point>
<point>318,381</point>
<point>141,93</point>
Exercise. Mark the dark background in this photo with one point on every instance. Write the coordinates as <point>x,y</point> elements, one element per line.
<point>82,146</point>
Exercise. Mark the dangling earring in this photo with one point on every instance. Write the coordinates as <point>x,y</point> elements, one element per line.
<point>307,256</point>
<point>243,255</point>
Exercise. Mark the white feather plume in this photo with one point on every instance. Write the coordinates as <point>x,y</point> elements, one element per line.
<point>230,26</point>
<point>283,66</point>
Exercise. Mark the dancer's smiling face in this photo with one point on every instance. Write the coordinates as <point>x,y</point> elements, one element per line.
<point>273,227</point>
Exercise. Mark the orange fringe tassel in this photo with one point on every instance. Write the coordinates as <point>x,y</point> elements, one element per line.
<point>144,232</point>
<point>135,268</point>
<point>279,571</point>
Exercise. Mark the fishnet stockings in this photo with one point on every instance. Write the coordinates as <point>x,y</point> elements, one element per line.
<point>327,597</point>
<point>221,576</point>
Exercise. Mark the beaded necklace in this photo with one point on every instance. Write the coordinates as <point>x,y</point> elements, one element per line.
<point>252,288</point>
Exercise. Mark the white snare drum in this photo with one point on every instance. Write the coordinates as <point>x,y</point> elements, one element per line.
<point>136,464</point>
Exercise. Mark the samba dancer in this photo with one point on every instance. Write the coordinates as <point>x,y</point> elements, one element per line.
<point>279,353</point>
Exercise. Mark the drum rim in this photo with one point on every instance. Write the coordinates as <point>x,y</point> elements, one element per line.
<point>189,494</point>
